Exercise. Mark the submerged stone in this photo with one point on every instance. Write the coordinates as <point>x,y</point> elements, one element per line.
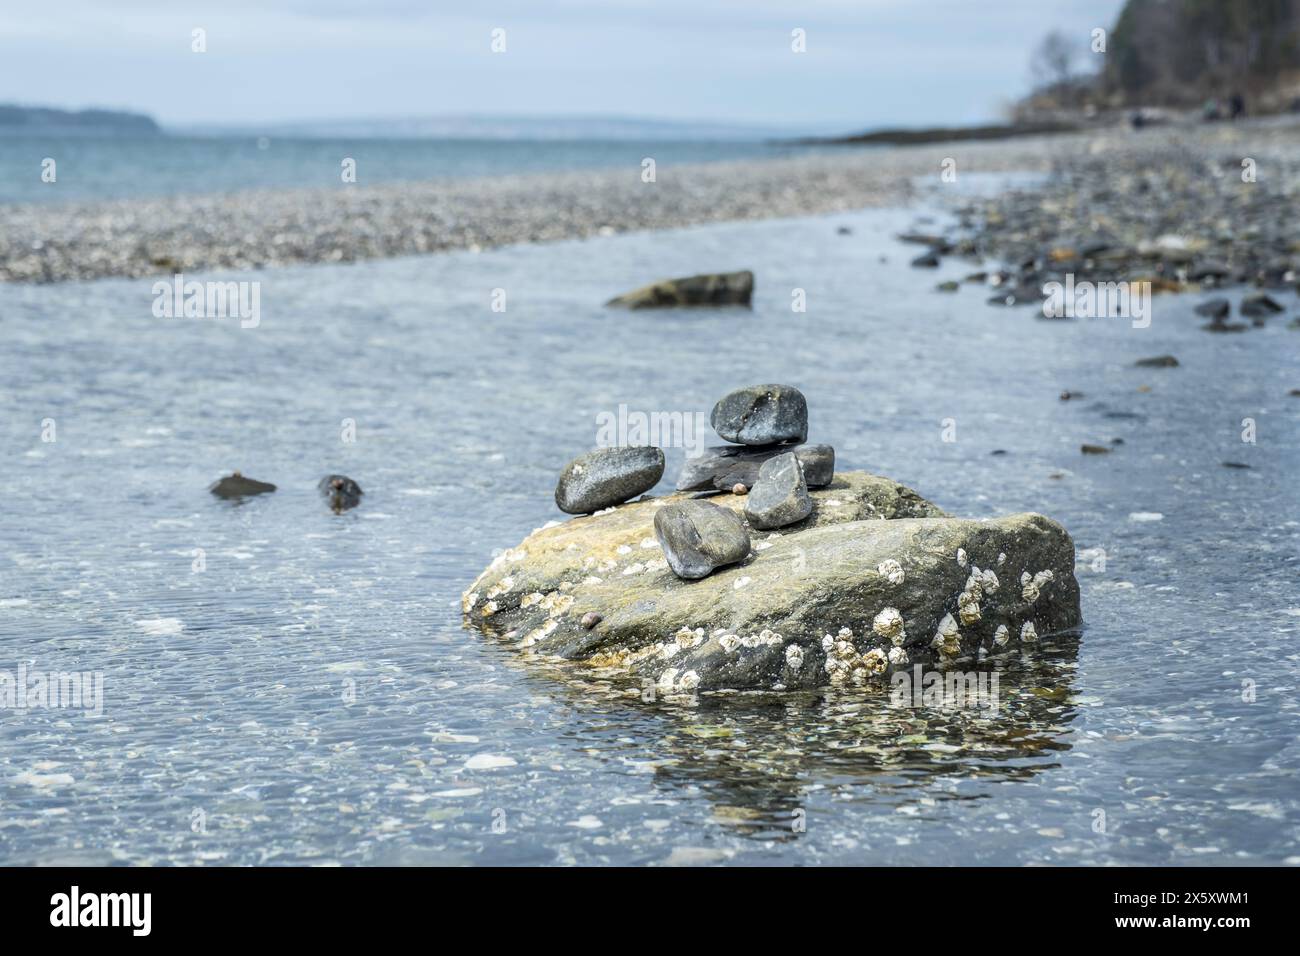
<point>341,492</point>
<point>1158,361</point>
<point>1217,309</point>
<point>721,288</point>
<point>607,477</point>
<point>236,485</point>
<point>761,415</point>
<point>1259,305</point>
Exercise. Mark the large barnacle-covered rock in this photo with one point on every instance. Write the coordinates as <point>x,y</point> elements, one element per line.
<point>874,579</point>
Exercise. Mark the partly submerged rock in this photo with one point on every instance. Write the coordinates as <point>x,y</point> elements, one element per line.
<point>1158,361</point>
<point>698,537</point>
<point>608,476</point>
<point>722,467</point>
<point>1217,309</point>
<point>341,492</point>
<point>761,415</point>
<point>722,288</point>
<point>1259,305</point>
<point>841,599</point>
<point>780,496</point>
<point>236,485</point>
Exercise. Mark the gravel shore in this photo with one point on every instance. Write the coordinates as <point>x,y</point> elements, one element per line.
<point>255,229</point>
<point>138,237</point>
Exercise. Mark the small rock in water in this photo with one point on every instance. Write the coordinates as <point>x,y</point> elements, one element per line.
<point>780,496</point>
<point>722,467</point>
<point>1067,395</point>
<point>591,619</point>
<point>926,260</point>
<point>341,491</point>
<point>699,537</point>
<point>1217,309</point>
<point>1159,361</point>
<point>1220,326</point>
<point>236,485</point>
<point>1260,305</point>
<point>739,489</point>
<point>762,415</point>
<point>952,285</point>
<point>608,476</point>
<point>1235,464</point>
<point>723,288</point>
<point>1094,449</point>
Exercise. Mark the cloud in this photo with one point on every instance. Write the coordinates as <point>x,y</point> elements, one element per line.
<point>868,63</point>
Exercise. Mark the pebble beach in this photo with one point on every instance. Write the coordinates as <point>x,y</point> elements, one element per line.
<point>54,242</point>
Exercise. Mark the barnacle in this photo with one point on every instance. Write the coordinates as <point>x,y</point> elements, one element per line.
<point>947,638</point>
<point>891,570</point>
<point>688,638</point>
<point>875,661</point>
<point>889,623</point>
<point>1029,587</point>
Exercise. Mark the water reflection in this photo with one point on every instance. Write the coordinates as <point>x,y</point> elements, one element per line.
<point>757,756</point>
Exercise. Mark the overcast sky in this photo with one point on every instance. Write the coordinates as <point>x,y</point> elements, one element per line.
<point>868,62</point>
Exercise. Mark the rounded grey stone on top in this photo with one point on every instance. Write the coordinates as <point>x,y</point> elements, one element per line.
<point>762,415</point>
<point>608,476</point>
<point>698,537</point>
<point>780,496</point>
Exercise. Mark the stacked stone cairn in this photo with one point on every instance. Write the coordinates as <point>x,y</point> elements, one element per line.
<point>769,462</point>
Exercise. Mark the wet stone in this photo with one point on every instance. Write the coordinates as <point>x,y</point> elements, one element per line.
<point>1158,361</point>
<point>710,289</point>
<point>607,477</point>
<point>762,415</point>
<point>1259,305</point>
<point>780,496</point>
<point>698,537</point>
<point>236,485</point>
<point>722,467</point>
<point>341,492</point>
<point>1217,309</point>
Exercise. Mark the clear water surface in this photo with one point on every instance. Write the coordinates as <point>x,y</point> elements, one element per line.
<point>311,696</point>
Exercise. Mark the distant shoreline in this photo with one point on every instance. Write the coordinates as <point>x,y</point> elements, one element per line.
<point>347,223</point>
<point>940,134</point>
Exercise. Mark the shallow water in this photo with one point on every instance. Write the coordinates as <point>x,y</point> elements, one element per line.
<point>311,696</point>
<point>118,167</point>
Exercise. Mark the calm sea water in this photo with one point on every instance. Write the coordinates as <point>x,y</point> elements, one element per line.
<point>110,167</point>
<point>310,696</point>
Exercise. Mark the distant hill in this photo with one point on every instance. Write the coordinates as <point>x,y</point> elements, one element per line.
<point>44,119</point>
